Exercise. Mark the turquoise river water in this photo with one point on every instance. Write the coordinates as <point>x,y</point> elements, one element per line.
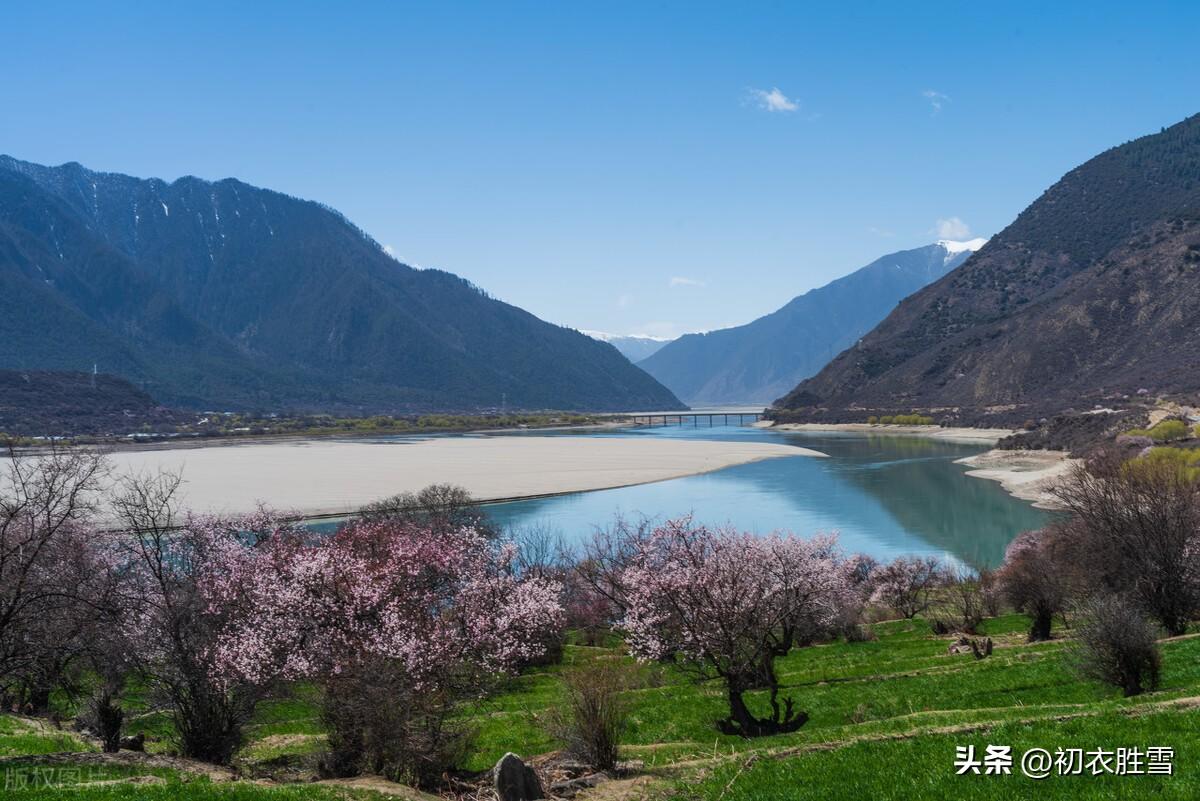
<point>883,495</point>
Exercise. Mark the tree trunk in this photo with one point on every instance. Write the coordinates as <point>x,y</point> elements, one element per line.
<point>38,700</point>
<point>109,717</point>
<point>743,723</point>
<point>1040,630</point>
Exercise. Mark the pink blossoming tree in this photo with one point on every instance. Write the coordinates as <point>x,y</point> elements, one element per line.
<point>1036,576</point>
<point>906,584</point>
<point>727,604</point>
<point>172,629</point>
<point>422,614</point>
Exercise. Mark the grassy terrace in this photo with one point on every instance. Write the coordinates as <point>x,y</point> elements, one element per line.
<point>886,717</point>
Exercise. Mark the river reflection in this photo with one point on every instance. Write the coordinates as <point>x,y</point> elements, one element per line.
<point>884,495</point>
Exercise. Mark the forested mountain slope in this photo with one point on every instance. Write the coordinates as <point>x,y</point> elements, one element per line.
<point>223,294</point>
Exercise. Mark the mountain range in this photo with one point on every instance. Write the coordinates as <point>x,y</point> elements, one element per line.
<point>759,361</point>
<point>225,295</point>
<point>632,347</point>
<point>1092,294</point>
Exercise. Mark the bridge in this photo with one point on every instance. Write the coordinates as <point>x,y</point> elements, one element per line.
<point>681,418</point>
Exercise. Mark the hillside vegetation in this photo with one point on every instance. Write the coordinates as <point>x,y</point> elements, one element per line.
<point>887,715</point>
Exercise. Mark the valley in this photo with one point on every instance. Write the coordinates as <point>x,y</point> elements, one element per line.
<point>599,402</point>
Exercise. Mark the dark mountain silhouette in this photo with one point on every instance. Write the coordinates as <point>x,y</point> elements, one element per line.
<point>34,403</point>
<point>759,361</point>
<point>223,294</point>
<point>1092,293</point>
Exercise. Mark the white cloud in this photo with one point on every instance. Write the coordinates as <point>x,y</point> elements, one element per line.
<point>952,228</point>
<point>388,249</point>
<point>679,280</point>
<point>881,231</point>
<point>624,301</point>
<point>936,99</point>
<point>773,100</point>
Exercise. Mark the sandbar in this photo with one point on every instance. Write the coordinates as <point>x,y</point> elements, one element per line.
<point>1028,475</point>
<point>324,477</point>
<point>988,435</point>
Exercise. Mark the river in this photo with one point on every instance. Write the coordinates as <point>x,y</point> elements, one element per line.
<point>883,495</point>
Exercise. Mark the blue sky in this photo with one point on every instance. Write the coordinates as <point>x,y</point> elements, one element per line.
<point>634,168</point>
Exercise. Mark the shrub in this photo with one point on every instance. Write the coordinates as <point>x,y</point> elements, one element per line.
<point>104,716</point>
<point>1164,431</point>
<point>1117,645</point>
<point>378,725</point>
<point>1185,460</point>
<point>872,420</point>
<point>912,420</point>
<point>962,607</point>
<point>1134,441</point>
<point>593,715</point>
<point>1168,430</point>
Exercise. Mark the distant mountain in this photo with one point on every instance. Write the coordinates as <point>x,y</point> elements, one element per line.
<point>634,348</point>
<point>229,296</point>
<point>759,361</point>
<point>1092,293</point>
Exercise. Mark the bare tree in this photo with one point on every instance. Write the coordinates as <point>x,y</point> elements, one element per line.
<point>1138,524</point>
<point>1117,645</point>
<point>602,560</point>
<point>46,561</point>
<point>962,608</point>
<point>438,505</point>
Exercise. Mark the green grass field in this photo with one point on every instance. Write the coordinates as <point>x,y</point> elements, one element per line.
<point>886,717</point>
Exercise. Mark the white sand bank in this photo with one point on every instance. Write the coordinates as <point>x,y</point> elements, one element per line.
<point>1023,474</point>
<point>989,435</point>
<point>321,477</point>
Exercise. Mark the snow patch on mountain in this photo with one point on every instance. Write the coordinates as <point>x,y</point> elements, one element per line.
<point>634,347</point>
<point>604,336</point>
<point>972,245</point>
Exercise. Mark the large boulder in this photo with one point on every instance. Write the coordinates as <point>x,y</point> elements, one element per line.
<point>135,743</point>
<point>516,781</point>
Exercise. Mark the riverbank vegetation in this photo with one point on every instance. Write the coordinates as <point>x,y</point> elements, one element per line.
<point>180,426</point>
<point>656,661</point>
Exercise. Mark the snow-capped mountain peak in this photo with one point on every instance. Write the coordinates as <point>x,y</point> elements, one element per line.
<point>604,336</point>
<point>634,347</point>
<point>972,245</point>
